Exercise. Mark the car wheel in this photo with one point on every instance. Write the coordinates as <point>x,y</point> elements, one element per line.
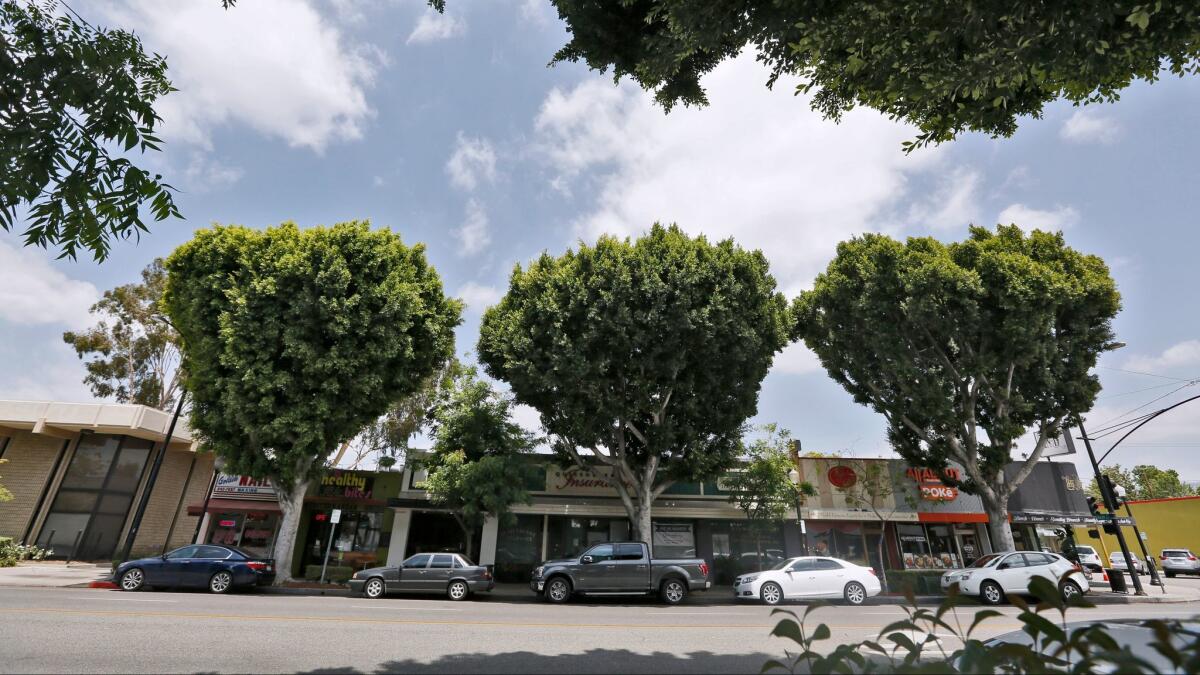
<point>558,590</point>
<point>771,593</point>
<point>133,579</point>
<point>855,593</point>
<point>458,590</point>
<point>1070,589</point>
<point>673,591</point>
<point>374,588</point>
<point>221,582</point>
<point>991,593</point>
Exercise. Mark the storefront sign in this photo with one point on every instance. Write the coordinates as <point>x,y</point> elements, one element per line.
<point>931,486</point>
<point>1025,518</point>
<point>576,481</point>
<point>842,477</point>
<point>243,487</point>
<point>347,485</point>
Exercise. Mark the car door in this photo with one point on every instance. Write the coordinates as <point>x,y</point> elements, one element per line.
<point>437,577</point>
<point>598,574</point>
<point>1011,573</point>
<point>631,567</point>
<point>172,568</point>
<point>797,581</point>
<point>829,578</point>
<point>204,563</point>
<point>1040,565</point>
<point>412,573</point>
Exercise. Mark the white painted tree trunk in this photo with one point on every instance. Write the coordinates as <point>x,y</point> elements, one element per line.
<point>289,526</point>
<point>999,529</point>
<point>642,528</point>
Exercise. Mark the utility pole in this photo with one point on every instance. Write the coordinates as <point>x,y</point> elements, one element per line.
<point>1155,580</point>
<point>1111,504</point>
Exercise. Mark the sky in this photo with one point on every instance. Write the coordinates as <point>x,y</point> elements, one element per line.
<point>452,130</point>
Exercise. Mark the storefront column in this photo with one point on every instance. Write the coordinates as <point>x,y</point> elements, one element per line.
<point>203,528</point>
<point>487,543</point>
<point>399,538</point>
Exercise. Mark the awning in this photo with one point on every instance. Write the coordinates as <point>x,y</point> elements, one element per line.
<point>934,517</point>
<point>235,505</point>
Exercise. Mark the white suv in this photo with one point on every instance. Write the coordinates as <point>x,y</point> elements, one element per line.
<point>994,576</point>
<point>1088,558</point>
<point>1179,561</point>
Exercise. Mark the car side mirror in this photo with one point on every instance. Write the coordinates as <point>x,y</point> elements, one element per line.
<point>587,560</point>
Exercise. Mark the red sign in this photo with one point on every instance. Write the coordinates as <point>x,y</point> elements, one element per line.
<point>932,488</point>
<point>227,523</point>
<point>842,477</point>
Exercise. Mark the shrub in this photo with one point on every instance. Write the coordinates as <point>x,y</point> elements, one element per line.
<point>915,582</point>
<point>12,553</point>
<point>1054,647</point>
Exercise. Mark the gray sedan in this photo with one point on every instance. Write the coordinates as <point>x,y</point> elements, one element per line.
<point>448,573</point>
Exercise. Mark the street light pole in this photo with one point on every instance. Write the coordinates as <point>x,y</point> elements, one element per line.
<point>1110,503</point>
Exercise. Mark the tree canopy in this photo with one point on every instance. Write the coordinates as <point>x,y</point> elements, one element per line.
<point>134,352</point>
<point>644,358</point>
<point>294,340</point>
<point>1144,481</point>
<point>946,67</point>
<point>76,100</point>
<point>995,334</point>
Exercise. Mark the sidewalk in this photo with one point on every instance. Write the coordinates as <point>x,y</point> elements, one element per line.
<point>53,574</point>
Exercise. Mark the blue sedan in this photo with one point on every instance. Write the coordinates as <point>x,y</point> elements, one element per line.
<point>217,568</point>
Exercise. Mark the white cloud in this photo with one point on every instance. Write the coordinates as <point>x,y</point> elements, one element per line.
<point>538,12</point>
<point>953,204</point>
<point>756,165</point>
<point>528,417</point>
<point>1058,218</point>
<point>796,359</point>
<point>34,292</point>
<point>276,66</point>
<point>473,160</point>
<point>434,26</point>
<point>1179,360</point>
<point>204,174</point>
<point>478,296</point>
<point>1088,125</point>
<point>474,234</point>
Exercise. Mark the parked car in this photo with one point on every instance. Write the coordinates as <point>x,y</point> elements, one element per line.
<point>448,573</point>
<point>620,568</point>
<point>1086,556</point>
<point>809,577</point>
<point>1179,561</point>
<point>217,568</point>
<point>1116,561</point>
<point>995,576</point>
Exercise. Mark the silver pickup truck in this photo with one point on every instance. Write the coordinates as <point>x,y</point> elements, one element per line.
<point>620,568</point>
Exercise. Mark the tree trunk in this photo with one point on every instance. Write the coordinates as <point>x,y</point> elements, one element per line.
<point>758,549</point>
<point>883,557</point>
<point>642,529</point>
<point>289,526</point>
<point>999,530</point>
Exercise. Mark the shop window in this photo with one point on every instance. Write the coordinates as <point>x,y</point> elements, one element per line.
<point>739,547</point>
<point>942,547</point>
<point>837,540</point>
<point>673,540</point>
<point>518,548</point>
<point>355,543</point>
<point>568,537</point>
<point>913,547</point>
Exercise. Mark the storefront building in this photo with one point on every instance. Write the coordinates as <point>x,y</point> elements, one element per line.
<point>77,472</point>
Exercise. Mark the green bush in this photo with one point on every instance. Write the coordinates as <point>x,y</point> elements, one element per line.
<point>11,553</point>
<point>912,645</point>
<point>334,573</point>
<point>915,582</point>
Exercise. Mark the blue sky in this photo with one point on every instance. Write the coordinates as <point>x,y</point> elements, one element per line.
<point>452,131</point>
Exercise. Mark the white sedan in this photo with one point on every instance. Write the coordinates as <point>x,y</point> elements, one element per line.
<point>809,577</point>
<point>995,576</point>
<point>1116,561</point>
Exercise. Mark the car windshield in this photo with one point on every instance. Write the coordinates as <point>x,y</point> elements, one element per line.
<point>985,560</point>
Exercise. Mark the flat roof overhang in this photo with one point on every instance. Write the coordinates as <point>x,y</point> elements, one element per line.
<point>66,420</point>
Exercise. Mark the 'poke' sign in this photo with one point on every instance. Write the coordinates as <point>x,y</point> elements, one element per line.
<point>931,485</point>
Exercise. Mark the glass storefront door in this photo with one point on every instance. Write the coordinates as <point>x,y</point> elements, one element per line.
<point>253,531</point>
<point>94,497</point>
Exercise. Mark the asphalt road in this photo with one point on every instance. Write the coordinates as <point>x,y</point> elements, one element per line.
<point>80,630</point>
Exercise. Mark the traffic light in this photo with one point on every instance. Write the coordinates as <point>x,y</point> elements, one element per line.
<point>1110,528</point>
<point>1093,506</point>
<point>1093,534</point>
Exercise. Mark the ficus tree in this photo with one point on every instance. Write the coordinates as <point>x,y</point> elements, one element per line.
<point>477,466</point>
<point>293,340</point>
<point>76,101</point>
<point>761,486</point>
<point>965,347</point>
<point>643,357</point>
<point>944,66</point>
<point>132,353</point>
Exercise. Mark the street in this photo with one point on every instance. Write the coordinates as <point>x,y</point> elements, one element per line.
<point>84,630</point>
